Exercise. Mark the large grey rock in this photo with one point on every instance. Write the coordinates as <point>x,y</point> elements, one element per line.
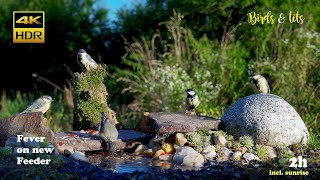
<point>32,123</point>
<point>267,118</point>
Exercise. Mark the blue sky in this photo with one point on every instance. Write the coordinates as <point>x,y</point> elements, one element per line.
<point>114,5</point>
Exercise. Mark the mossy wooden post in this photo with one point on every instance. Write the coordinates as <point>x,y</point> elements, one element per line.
<point>91,99</point>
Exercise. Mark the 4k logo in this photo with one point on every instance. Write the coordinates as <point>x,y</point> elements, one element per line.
<point>28,26</point>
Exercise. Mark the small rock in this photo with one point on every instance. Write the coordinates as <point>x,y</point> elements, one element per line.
<point>12,142</point>
<point>31,144</point>
<point>148,153</point>
<point>180,139</point>
<point>158,153</point>
<point>83,131</point>
<point>168,148</point>
<point>272,153</point>
<point>236,156</point>
<point>193,160</point>
<point>140,149</point>
<point>188,156</point>
<point>221,157</point>
<point>209,152</point>
<point>78,156</point>
<point>166,157</point>
<point>249,157</point>
<point>220,140</point>
<point>226,151</point>
<point>242,149</point>
<point>182,152</point>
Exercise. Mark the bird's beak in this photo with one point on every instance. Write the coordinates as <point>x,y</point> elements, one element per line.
<point>251,78</point>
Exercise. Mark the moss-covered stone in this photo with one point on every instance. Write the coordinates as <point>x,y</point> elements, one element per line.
<point>91,99</point>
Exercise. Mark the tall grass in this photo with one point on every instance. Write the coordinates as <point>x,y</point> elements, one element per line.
<point>219,69</point>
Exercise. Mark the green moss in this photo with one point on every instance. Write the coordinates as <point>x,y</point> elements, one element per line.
<point>91,98</point>
<point>285,153</point>
<point>247,142</point>
<point>199,138</point>
<point>236,145</point>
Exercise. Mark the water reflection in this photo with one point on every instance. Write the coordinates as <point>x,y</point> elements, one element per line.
<point>127,163</point>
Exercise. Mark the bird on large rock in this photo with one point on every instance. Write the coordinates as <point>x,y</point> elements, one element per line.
<point>86,60</point>
<point>42,105</point>
<point>108,132</point>
<point>260,84</point>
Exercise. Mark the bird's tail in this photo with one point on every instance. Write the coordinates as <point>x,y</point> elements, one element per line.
<point>113,146</point>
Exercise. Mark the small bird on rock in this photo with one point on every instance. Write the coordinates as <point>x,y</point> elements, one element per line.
<point>192,101</point>
<point>40,105</point>
<point>86,60</point>
<point>108,132</point>
<point>260,84</point>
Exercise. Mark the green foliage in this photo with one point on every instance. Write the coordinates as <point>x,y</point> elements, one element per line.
<point>261,152</point>
<point>69,26</point>
<point>44,144</point>
<point>212,48</point>
<point>5,151</point>
<point>199,139</point>
<point>246,141</point>
<point>314,140</point>
<point>285,153</point>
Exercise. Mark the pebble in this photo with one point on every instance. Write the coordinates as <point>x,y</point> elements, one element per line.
<point>220,140</point>
<point>249,157</point>
<point>78,156</point>
<point>209,152</point>
<point>180,139</point>
<point>236,156</point>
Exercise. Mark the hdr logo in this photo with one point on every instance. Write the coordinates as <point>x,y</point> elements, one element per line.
<point>28,27</point>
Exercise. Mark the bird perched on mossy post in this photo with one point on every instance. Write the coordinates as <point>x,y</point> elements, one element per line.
<point>192,101</point>
<point>260,84</point>
<point>91,95</point>
<point>42,105</point>
<point>108,133</point>
<point>86,60</point>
